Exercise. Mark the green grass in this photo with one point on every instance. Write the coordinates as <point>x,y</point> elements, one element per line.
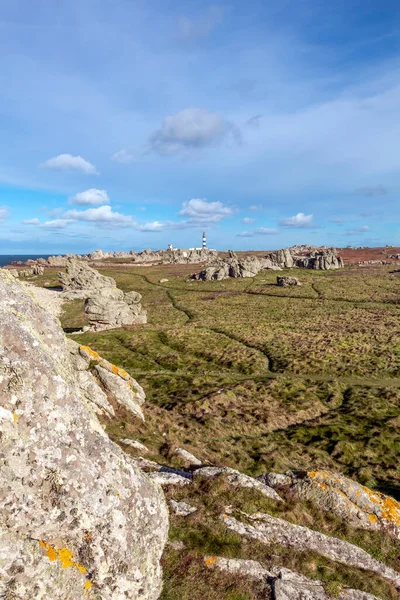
<point>265,378</point>
<point>260,378</point>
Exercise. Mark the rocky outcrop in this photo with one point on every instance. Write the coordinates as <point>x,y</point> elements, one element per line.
<point>106,306</point>
<point>287,281</point>
<point>268,529</point>
<point>282,583</point>
<point>307,257</point>
<point>110,308</point>
<point>234,267</point>
<point>78,519</point>
<point>352,502</point>
<point>81,281</point>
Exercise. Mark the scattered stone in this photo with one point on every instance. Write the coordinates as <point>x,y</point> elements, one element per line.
<point>181,509</point>
<point>187,457</point>
<point>268,529</point>
<point>165,479</point>
<point>352,502</point>
<point>238,480</point>
<point>287,281</point>
<point>164,280</point>
<point>134,444</point>
<point>67,493</point>
<point>284,584</point>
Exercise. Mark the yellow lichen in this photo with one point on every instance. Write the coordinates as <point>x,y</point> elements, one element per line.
<point>389,508</point>
<point>64,555</point>
<point>91,352</point>
<point>88,584</point>
<point>15,416</point>
<point>210,561</point>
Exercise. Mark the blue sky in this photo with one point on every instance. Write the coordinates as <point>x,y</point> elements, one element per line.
<point>127,124</point>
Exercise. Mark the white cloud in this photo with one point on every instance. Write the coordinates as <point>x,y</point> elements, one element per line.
<point>156,226</point>
<point>201,211</point>
<point>31,221</point>
<point>92,197</point>
<point>124,156</point>
<point>56,224</point>
<point>248,220</point>
<point>103,216</point>
<point>299,221</point>
<point>361,229</point>
<point>256,207</point>
<point>259,231</point>
<point>191,129</point>
<point>67,162</point>
<point>4,213</point>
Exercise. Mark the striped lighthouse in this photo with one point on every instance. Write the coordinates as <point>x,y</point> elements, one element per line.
<point>204,245</point>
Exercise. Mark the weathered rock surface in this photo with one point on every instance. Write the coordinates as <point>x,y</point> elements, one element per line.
<point>352,502</point>
<point>134,444</point>
<point>165,478</point>
<point>80,281</point>
<point>121,391</point>
<point>182,509</point>
<point>77,517</point>
<point>238,479</point>
<point>187,457</point>
<point>234,267</point>
<point>283,583</point>
<point>287,281</point>
<point>106,306</point>
<point>249,266</point>
<point>268,529</point>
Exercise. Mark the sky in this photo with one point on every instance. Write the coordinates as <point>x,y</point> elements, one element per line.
<point>129,124</point>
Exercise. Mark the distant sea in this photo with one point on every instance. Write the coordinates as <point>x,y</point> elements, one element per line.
<point>5,259</point>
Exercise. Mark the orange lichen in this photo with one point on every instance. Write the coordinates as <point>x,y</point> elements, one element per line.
<point>91,352</point>
<point>118,371</point>
<point>389,508</point>
<point>64,555</point>
<point>88,584</point>
<point>210,561</point>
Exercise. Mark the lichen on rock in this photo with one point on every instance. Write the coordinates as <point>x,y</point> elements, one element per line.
<point>78,519</point>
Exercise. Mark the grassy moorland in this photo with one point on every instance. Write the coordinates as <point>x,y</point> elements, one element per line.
<point>260,378</point>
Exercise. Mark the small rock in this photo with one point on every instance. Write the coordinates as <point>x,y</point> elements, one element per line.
<point>182,509</point>
<point>238,480</point>
<point>164,280</point>
<point>134,444</point>
<point>287,281</point>
<point>165,479</point>
<point>187,457</point>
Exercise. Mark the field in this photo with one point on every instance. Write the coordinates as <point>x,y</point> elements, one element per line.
<point>260,378</point>
<point>257,377</point>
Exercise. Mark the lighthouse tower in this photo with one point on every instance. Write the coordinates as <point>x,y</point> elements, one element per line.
<point>204,245</point>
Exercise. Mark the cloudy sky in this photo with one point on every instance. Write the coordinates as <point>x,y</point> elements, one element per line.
<point>127,124</point>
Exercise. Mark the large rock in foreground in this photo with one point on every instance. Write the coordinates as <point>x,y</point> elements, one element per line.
<point>78,520</point>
